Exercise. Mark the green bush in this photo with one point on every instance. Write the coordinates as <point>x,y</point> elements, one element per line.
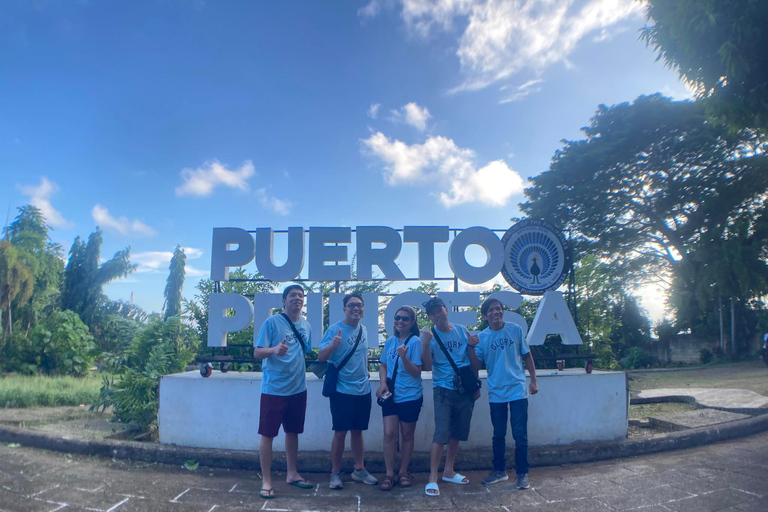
<point>705,355</point>
<point>60,345</point>
<point>636,358</point>
<point>160,348</point>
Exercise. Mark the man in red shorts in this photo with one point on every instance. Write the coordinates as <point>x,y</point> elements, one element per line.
<point>283,386</point>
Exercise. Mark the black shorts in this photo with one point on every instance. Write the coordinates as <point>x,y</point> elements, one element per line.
<point>407,412</point>
<point>288,411</point>
<point>350,412</point>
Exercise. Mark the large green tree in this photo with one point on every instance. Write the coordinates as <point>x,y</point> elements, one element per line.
<point>174,284</point>
<point>719,48</point>
<point>84,277</point>
<point>29,235</point>
<point>16,283</point>
<point>651,181</point>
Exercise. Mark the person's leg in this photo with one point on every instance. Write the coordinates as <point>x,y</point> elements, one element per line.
<point>265,459</point>
<point>499,422</point>
<point>441,436</point>
<point>356,443</point>
<point>390,443</point>
<point>293,425</point>
<point>337,450</point>
<point>519,419</point>
<point>271,411</point>
<point>450,458</point>
<point>407,431</point>
<point>435,456</point>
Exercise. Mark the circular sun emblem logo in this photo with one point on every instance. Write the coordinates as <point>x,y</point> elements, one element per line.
<point>536,257</point>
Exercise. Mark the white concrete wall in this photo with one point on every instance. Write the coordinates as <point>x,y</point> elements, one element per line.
<point>222,411</point>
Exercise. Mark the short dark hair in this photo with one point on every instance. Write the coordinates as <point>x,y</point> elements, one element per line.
<point>353,294</point>
<point>487,305</point>
<point>292,287</point>
<point>412,314</point>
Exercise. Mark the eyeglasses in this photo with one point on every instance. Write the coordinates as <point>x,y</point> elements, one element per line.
<point>355,305</point>
<point>399,318</point>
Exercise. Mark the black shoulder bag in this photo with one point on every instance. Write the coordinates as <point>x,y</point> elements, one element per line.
<point>391,382</point>
<point>332,373</point>
<point>315,367</point>
<point>464,381</point>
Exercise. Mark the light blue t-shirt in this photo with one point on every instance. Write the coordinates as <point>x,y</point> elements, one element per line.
<point>456,344</point>
<point>284,375</point>
<point>502,352</point>
<point>354,377</point>
<point>407,387</point>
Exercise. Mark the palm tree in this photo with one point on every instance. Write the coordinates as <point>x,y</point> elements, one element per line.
<point>16,281</point>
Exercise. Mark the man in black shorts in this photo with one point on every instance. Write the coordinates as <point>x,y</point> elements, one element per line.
<point>351,404</point>
<point>283,386</point>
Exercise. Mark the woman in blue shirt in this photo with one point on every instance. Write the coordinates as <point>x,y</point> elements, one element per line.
<point>402,352</point>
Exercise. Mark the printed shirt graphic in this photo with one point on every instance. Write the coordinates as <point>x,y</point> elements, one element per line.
<point>502,352</point>
<point>407,387</point>
<point>284,375</point>
<point>456,344</point>
<point>353,378</point>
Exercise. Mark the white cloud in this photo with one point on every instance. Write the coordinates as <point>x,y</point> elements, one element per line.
<point>448,167</point>
<point>370,10</point>
<point>411,114</point>
<point>122,225</point>
<point>278,206</point>
<point>502,37</point>
<point>373,110</point>
<point>157,262</point>
<point>521,91</point>
<point>202,181</point>
<point>40,197</point>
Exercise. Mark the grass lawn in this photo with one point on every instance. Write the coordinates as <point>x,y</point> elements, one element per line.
<point>42,391</point>
<point>750,375</point>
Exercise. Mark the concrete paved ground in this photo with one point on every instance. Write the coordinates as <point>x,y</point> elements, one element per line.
<point>730,476</point>
<point>738,400</point>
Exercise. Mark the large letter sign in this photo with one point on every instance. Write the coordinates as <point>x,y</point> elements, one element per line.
<point>532,256</point>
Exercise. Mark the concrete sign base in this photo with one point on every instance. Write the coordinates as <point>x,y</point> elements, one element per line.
<point>222,411</point>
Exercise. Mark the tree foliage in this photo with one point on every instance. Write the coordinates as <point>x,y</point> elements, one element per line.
<point>652,185</point>
<point>174,284</point>
<point>29,235</point>
<point>719,48</point>
<point>84,277</point>
<point>16,283</point>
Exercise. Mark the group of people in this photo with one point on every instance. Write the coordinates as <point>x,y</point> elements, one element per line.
<point>448,350</point>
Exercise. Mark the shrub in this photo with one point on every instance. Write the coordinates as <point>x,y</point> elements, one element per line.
<point>61,345</point>
<point>160,348</point>
<point>705,355</point>
<point>636,358</point>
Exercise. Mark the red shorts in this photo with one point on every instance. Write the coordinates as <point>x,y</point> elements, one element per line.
<point>288,411</point>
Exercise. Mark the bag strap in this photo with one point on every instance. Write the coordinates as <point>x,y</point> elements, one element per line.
<point>394,371</point>
<point>445,350</point>
<point>296,333</point>
<point>357,342</point>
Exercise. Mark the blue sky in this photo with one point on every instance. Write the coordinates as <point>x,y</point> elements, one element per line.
<point>159,121</point>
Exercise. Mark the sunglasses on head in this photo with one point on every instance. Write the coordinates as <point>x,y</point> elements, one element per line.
<point>399,318</point>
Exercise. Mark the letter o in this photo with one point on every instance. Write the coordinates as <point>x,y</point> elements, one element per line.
<point>494,253</point>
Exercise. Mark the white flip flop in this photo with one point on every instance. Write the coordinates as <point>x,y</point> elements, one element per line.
<point>457,479</point>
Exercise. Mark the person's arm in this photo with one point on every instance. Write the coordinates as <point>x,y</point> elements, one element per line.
<point>474,362</point>
<point>534,386</point>
<point>413,369</point>
<point>325,353</point>
<point>260,350</point>
<point>426,355</point>
<point>265,352</point>
<point>382,380</point>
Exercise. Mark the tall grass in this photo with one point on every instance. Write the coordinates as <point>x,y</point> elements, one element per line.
<point>42,391</point>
